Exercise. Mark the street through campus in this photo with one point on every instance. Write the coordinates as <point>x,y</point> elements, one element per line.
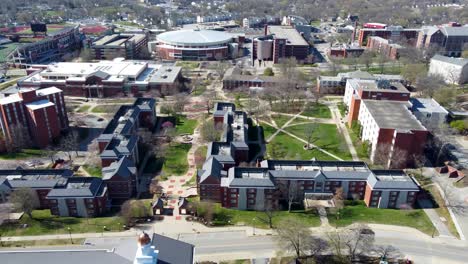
<point>227,244</point>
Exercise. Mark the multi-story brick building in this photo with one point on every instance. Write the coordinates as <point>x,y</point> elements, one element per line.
<point>268,184</point>
<point>80,196</point>
<point>451,39</point>
<point>123,45</point>
<point>390,189</point>
<point>357,90</point>
<point>279,42</point>
<point>231,150</point>
<point>395,135</point>
<point>40,180</point>
<point>120,138</point>
<point>120,177</point>
<point>337,84</point>
<point>233,79</point>
<point>384,47</point>
<point>345,51</point>
<point>40,113</point>
<point>394,33</point>
<point>105,78</point>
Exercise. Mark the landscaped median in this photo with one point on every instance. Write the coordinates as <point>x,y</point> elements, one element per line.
<point>357,212</point>
<point>43,223</point>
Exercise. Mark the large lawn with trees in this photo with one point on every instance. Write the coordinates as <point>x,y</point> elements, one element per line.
<point>358,212</point>
<point>23,154</point>
<point>43,223</point>
<point>325,136</point>
<point>286,147</point>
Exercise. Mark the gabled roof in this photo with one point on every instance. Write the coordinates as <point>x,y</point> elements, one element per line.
<point>80,187</point>
<point>172,251</point>
<point>456,61</point>
<point>124,167</point>
<point>455,31</point>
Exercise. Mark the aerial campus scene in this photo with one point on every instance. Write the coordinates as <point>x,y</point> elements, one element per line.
<point>234,132</point>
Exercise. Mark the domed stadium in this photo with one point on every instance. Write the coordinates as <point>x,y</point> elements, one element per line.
<point>194,45</point>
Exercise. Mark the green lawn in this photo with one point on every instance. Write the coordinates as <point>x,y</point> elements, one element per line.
<point>93,170</point>
<point>7,49</point>
<point>317,110</point>
<point>325,136</point>
<point>185,125</point>
<point>105,108</point>
<point>362,148</point>
<point>199,90</point>
<point>190,65</point>
<point>153,165</point>
<point>267,130</point>
<point>83,109</point>
<point>342,108</point>
<point>286,147</point>
<point>175,162</point>
<point>251,218</point>
<point>360,213</point>
<point>281,119</point>
<point>44,223</point>
<point>24,154</point>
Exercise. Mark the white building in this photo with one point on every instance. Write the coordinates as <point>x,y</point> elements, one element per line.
<point>390,122</point>
<point>453,70</point>
<point>246,23</point>
<point>429,112</point>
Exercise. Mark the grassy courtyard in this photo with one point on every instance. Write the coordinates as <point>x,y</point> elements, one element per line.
<point>189,65</point>
<point>268,131</point>
<point>185,125</point>
<point>325,136</point>
<point>317,110</point>
<point>280,120</point>
<point>44,223</point>
<point>286,147</point>
<point>110,109</point>
<point>93,170</point>
<point>175,162</point>
<point>350,214</point>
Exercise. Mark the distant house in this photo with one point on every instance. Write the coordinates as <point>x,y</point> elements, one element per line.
<point>452,70</point>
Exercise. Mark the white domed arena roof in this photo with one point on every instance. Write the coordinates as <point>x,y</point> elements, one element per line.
<point>194,37</point>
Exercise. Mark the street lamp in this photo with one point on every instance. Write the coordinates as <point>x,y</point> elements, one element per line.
<point>103,229</point>
<point>69,232</point>
<point>253,226</point>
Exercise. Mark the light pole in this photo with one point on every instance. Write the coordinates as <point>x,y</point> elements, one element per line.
<point>103,229</point>
<point>253,226</point>
<point>69,232</point>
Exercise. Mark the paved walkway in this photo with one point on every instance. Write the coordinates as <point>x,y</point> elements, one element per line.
<point>298,138</point>
<point>343,130</point>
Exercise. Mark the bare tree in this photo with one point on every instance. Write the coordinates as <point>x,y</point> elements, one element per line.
<point>338,198</point>
<point>289,190</point>
<point>70,143</point>
<point>180,101</point>
<point>310,133</point>
<point>50,151</point>
<point>294,235</point>
<point>366,59</point>
<point>155,188</point>
<point>131,209</point>
<point>390,159</point>
<point>25,200</point>
<point>209,132</point>
<point>429,85</point>
<point>352,242</point>
<point>269,213</point>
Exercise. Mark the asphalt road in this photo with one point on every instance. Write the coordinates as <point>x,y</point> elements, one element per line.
<point>237,245</point>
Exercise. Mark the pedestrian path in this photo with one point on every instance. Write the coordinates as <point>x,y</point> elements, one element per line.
<point>343,130</point>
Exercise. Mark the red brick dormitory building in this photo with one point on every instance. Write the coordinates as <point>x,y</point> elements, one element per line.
<point>41,113</point>
<point>254,188</point>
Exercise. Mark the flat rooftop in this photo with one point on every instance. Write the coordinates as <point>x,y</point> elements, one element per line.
<point>393,114</point>
<point>378,85</point>
<point>391,179</point>
<point>289,33</point>
<point>427,105</point>
<point>118,40</point>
